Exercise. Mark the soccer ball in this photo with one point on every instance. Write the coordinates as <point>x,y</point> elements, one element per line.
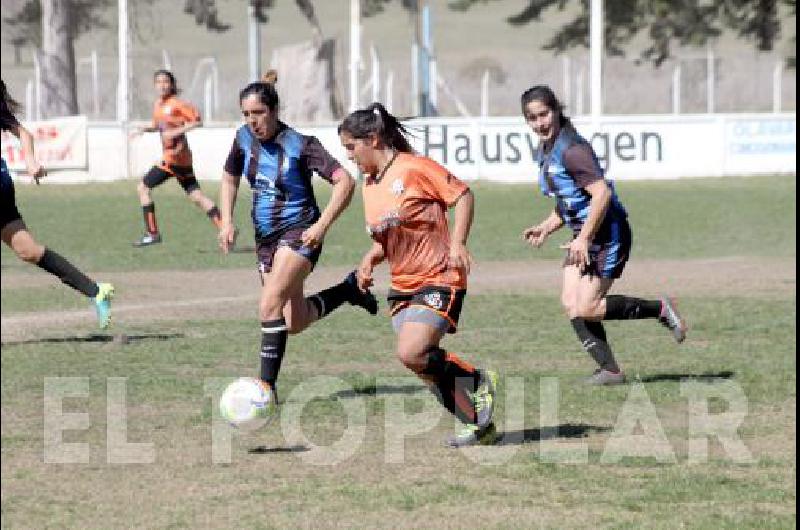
<point>248,403</point>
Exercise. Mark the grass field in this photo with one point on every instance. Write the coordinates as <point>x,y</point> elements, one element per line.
<point>725,247</point>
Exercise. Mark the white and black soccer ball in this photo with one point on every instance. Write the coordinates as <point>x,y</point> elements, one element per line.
<point>248,403</point>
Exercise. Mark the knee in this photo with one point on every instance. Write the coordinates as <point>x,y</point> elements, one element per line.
<point>587,310</point>
<point>412,358</point>
<point>569,306</point>
<point>142,188</point>
<point>29,252</point>
<point>271,304</point>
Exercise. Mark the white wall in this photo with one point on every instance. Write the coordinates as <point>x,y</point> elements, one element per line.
<point>501,149</point>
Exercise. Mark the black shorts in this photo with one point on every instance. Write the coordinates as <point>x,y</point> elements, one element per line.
<point>444,301</point>
<point>159,174</point>
<point>292,238</point>
<point>8,202</point>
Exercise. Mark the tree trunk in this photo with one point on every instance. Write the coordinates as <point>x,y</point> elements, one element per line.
<point>59,91</point>
<point>307,82</point>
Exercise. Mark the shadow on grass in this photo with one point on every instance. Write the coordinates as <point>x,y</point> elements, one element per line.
<point>120,338</point>
<point>566,430</point>
<point>707,376</point>
<point>264,450</point>
<point>374,390</point>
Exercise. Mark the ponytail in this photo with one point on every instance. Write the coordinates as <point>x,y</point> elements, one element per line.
<point>376,120</point>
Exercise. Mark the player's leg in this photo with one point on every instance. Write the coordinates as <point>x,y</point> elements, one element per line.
<point>582,296</point>
<point>609,263</point>
<point>281,278</point>
<point>155,177</point>
<point>16,235</point>
<point>190,185</point>
<point>465,391</point>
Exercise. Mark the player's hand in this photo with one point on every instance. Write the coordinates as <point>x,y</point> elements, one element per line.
<point>578,253</point>
<point>535,235</point>
<point>313,236</point>
<point>364,274</point>
<point>459,257</point>
<point>227,237</point>
<point>35,171</point>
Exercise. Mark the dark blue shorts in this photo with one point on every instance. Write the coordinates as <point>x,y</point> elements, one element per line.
<point>8,202</point>
<point>610,250</point>
<point>292,238</point>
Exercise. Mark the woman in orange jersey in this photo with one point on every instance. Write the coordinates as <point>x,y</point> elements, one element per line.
<point>406,200</point>
<point>173,118</point>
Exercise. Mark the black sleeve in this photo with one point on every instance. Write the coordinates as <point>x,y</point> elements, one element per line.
<point>316,158</point>
<point>234,164</point>
<point>580,165</point>
<point>7,120</point>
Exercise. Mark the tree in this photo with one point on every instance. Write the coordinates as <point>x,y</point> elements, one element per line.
<point>666,22</point>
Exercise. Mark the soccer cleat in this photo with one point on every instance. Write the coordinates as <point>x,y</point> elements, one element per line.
<point>360,298</point>
<point>602,377</point>
<point>147,240</point>
<point>484,398</point>
<point>102,304</point>
<point>473,435</point>
<point>672,320</point>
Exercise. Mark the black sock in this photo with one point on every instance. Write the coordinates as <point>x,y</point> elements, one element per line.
<point>453,384</point>
<point>595,346</point>
<point>328,300</point>
<point>56,265</point>
<point>596,328</point>
<point>149,214</point>
<point>620,307</point>
<point>213,213</point>
<point>273,346</point>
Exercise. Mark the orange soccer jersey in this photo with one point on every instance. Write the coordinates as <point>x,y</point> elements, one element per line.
<point>406,212</point>
<point>169,114</point>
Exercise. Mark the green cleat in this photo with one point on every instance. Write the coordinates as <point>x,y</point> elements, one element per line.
<point>473,435</point>
<point>102,304</point>
<point>484,398</point>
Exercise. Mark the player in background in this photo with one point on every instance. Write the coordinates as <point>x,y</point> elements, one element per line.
<point>172,118</point>
<point>16,235</point>
<point>278,162</point>
<point>587,203</point>
<point>406,201</point>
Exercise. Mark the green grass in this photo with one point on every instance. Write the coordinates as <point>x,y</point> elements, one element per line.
<point>747,340</point>
<point>167,406</point>
<point>95,225</point>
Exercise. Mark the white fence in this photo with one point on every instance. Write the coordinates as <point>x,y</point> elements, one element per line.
<point>503,149</point>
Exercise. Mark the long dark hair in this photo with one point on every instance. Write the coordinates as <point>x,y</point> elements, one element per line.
<point>173,83</point>
<point>375,119</point>
<point>11,103</point>
<point>547,97</point>
<point>264,89</point>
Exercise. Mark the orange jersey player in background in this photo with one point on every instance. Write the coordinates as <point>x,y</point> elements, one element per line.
<point>173,118</point>
<point>406,200</point>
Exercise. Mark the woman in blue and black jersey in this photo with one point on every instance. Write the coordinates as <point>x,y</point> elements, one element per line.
<point>587,203</point>
<point>279,163</point>
<point>15,232</point>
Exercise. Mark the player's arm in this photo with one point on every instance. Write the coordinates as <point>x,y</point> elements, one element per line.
<point>371,259</point>
<point>228,191</point>
<point>343,186</point>
<point>32,166</point>
<point>580,165</point>
<point>464,212</point>
<point>536,234</point>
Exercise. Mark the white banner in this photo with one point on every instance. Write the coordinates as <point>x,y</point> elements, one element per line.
<point>59,144</point>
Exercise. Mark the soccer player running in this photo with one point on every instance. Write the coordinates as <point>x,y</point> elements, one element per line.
<point>173,118</point>
<point>279,163</point>
<point>587,203</point>
<point>406,201</point>
<point>15,233</point>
